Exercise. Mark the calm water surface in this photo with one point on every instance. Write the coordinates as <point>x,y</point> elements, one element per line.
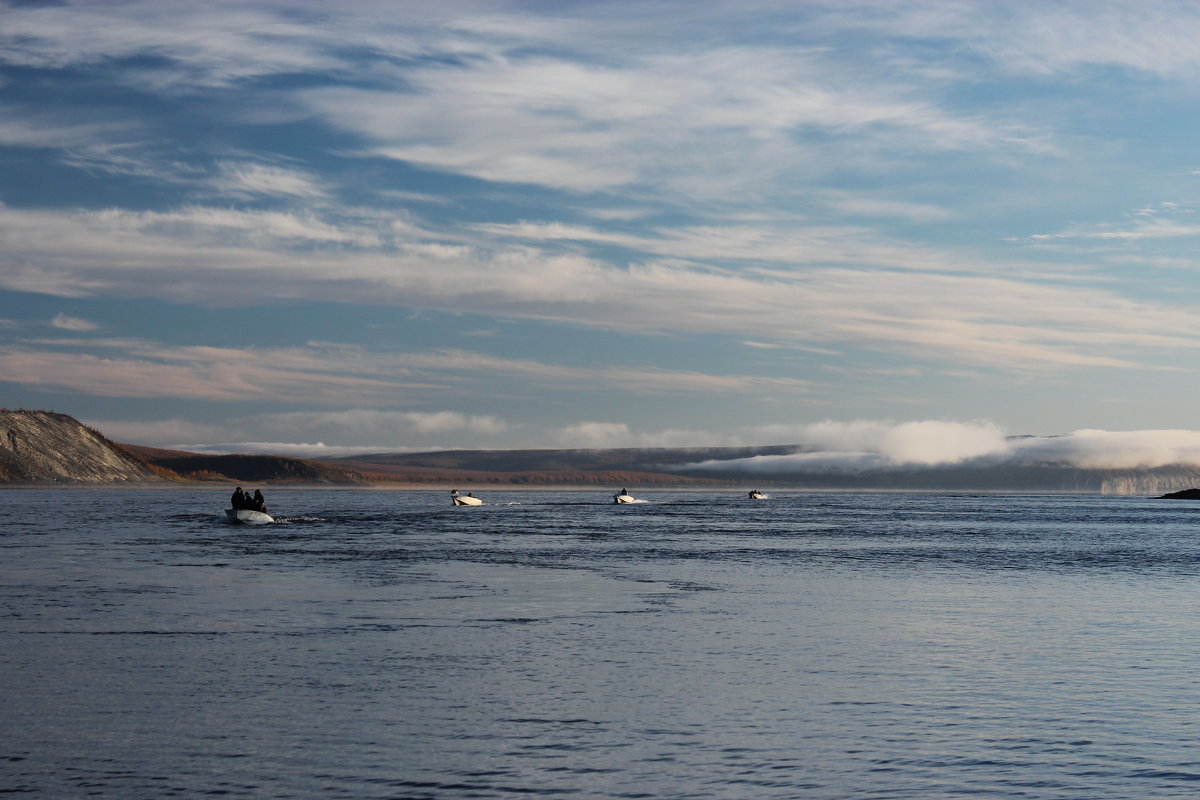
<point>388,645</point>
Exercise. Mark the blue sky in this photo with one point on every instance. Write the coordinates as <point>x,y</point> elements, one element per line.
<point>321,228</point>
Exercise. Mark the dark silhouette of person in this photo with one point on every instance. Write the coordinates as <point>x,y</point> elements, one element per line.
<point>239,498</point>
<point>260,503</point>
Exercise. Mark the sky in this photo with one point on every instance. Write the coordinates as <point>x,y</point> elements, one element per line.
<point>319,229</point>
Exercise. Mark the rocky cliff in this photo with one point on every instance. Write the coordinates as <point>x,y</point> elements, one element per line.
<point>42,447</point>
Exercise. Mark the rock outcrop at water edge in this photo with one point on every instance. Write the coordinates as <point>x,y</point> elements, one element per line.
<point>1186,494</point>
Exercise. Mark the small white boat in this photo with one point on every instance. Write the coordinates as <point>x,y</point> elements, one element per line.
<point>757,495</point>
<point>467,499</point>
<point>621,497</point>
<point>246,516</point>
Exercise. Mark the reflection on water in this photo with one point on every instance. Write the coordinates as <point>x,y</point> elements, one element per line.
<point>387,644</point>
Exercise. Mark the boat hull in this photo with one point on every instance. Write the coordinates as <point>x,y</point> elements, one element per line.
<point>467,501</point>
<point>622,499</point>
<point>245,516</point>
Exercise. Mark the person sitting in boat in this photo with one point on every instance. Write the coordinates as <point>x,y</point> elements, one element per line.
<point>239,499</point>
<point>260,503</point>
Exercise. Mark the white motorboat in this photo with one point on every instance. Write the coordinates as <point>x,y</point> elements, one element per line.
<point>467,499</point>
<point>757,495</point>
<point>622,497</point>
<point>246,516</point>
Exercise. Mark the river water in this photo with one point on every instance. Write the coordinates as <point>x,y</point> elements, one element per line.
<point>376,644</point>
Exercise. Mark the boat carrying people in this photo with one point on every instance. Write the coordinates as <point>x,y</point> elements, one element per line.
<point>248,509</point>
<point>467,499</point>
<point>241,500</point>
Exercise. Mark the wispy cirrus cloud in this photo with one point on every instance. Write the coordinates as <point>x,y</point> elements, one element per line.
<point>214,381</point>
<point>635,102</point>
<point>1042,39</point>
<point>199,46</point>
<point>26,128</point>
<point>69,323</point>
<point>786,244</point>
<point>621,377</point>
<point>249,179</point>
<point>873,205</point>
<point>223,41</point>
<point>1064,36</point>
<point>591,126</point>
<point>971,316</point>
<point>1167,221</point>
<point>321,373</point>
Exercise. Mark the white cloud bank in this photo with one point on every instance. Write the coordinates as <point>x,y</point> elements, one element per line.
<point>872,445</point>
<point>1097,449</point>
<point>829,446</point>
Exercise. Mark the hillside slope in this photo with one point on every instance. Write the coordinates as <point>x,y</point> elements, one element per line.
<point>42,447</point>
<point>737,466</point>
<point>611,468</point>
<point>245,468</point>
